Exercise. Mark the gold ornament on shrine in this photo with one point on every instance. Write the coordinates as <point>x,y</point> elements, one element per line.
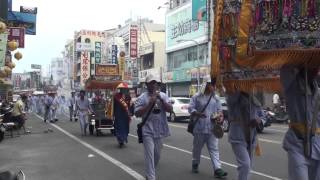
<point>7,70</point>
<point>3,27</point>
<point>18,55</point>
<point>3,74</point>
<point>12,45</point>
<point>11,65</point>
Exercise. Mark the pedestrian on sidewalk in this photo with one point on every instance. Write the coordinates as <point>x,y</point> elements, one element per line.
<point>244,117</point>
<point>18,112</point>
<point>156,125</point>
<point>83,109</point>
<point>122,116</point>
<point>71,104</point>
<point>202,106</point>
<point>302,94</point>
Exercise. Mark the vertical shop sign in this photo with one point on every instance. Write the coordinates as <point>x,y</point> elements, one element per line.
<point>3,48</point>
<point>85,67</point>
<point>17,34</point>
<point>98,52</point>
<point>133,42</point>
<point>114,53</point>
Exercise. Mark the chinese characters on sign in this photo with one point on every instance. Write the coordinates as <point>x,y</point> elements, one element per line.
<point>92,33</point>
<point>107,70</point>
<point>17,34</point>
<point>98,52</point>
<point>184,27</point>
<point>3,48</point>
<point>114,53</point>
<point>133,42</point>
<point>85,67</point>
<point>121,66</point>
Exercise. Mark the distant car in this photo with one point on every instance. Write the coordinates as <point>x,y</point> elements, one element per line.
<point>263,114</point>
<point>180,108</point>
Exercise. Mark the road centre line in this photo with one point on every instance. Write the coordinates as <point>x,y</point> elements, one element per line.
<point>119,164</point>
<point>208,158</point>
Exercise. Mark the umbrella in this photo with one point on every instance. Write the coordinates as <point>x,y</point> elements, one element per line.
<point>123,85</point>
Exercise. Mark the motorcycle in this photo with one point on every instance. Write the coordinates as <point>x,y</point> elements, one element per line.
<point>9,175</point>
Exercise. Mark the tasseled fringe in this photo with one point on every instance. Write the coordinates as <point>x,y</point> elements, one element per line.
<point>267,85</point>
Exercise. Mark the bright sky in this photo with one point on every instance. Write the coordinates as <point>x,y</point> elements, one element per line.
<point>58,19</point>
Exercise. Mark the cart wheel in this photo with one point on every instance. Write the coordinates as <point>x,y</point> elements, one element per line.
<point>112,131</point>
<point>97,132</point>
<point>91,129</point>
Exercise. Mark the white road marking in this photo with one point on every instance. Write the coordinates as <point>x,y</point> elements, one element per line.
<point>276,130</point>
<point>208,158</point>
<point>127,169</point>
<point>279,126</point>
<point>269,141</point>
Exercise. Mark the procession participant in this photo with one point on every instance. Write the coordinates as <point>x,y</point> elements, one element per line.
<point>82,109</point>
<point>55,106</point>
<point>71,105</point>
<point>48,100</point>
<point>156,125</point>
<point>207,102</point>
<point>122,116</point>
<point>302,140</point>
<point>244,117</point>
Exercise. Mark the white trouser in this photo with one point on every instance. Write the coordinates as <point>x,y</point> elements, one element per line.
<point>152,150</point>
<point>212,144</point>
<point>83,118</point>
<point>301,168</point>
<point>243,159</point>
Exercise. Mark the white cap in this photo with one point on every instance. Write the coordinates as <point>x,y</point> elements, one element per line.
<point>151,77</point>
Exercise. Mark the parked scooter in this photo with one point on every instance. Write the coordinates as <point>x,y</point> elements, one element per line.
<point>9,175</point>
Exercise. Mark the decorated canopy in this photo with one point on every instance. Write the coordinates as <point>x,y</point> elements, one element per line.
<point>98,84</point>
<point>252,40</point>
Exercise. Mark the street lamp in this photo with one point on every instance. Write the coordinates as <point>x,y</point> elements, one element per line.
<point>198,58</point>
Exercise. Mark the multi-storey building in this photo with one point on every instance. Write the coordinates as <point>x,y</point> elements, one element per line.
<point>187,45</point>
<point>89,46</point>
<point>143,43</point>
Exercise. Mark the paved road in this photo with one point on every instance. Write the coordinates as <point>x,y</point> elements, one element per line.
<point>65,154</point>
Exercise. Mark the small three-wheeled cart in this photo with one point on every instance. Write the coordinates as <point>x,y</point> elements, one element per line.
<point>102,117</point>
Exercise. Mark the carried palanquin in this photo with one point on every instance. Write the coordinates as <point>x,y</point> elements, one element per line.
<point>252,40</point>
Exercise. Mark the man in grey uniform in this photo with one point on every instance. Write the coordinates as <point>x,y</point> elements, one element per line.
<point>301,98</point>
<point>244,118</point>
<point>83,108</point>
<point>48,103</point>
<point>203,129</point>
<point>71,104</point>
<point>156,126</point>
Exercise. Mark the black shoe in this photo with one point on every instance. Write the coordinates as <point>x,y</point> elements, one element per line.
<point>121,145</point>
<point>71,120</point>
<point>56,120</point>
<point>51,121</point>
<point>195,168</point>
<point>219,173</point>
<point>44,120</point>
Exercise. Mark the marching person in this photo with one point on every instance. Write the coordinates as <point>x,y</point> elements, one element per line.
<point>301,93</point>
<point>244,118</point>
<point>83,108</point>
<point>122,116</point>
<point>156,126</point>
<point>202,132</point>
<point>71,105</point>
<point>48,100</point>
<point>54,108</point>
